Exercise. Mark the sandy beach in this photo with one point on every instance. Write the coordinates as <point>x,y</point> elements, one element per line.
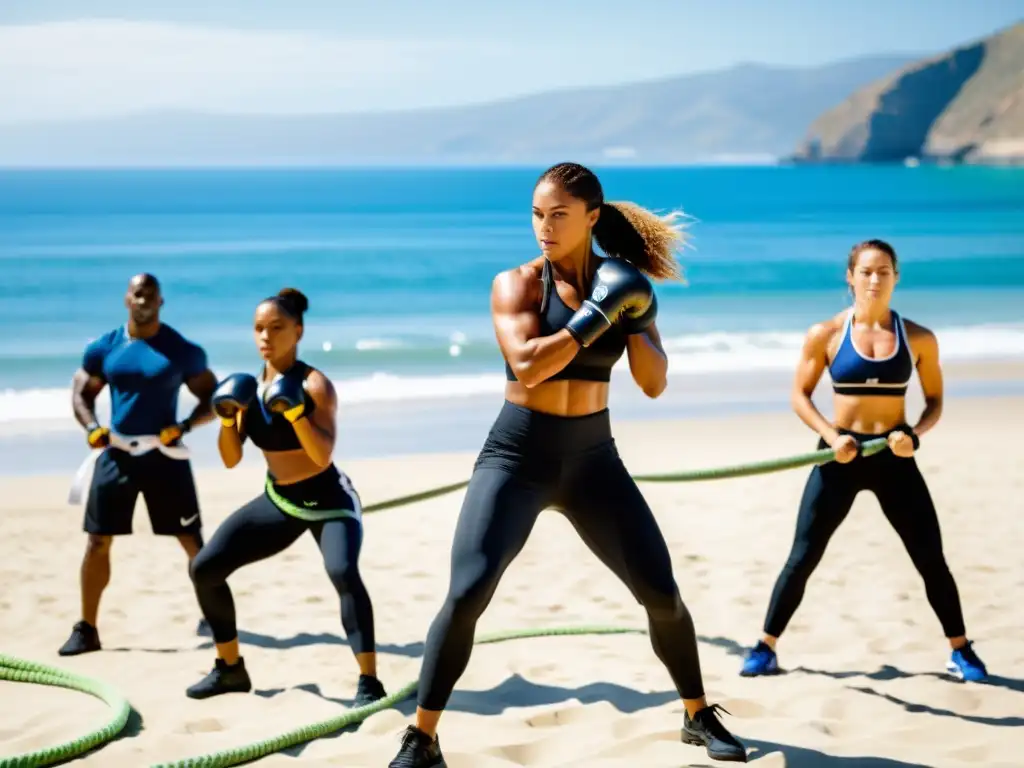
<point>864,654</point>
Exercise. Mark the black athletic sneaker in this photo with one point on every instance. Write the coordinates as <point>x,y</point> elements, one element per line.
<point>370,690</point>
<point>418,751</point>
<point>705,730</point>
<point>224,678</point>
<point>84,638</point>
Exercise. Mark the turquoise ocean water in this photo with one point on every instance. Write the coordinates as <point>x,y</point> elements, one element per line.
<point>398,264</point>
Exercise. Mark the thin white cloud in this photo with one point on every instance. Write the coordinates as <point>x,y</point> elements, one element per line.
<point>92,68</point>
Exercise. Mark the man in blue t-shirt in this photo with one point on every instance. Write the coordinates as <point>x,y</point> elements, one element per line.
<point>144,363</point>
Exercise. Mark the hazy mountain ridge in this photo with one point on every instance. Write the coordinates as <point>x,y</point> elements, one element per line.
<point>749,110</point>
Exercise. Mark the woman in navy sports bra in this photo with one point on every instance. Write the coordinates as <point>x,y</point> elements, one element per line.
<point>871,354</point>
<point>290,415</point>
<point>562,321</point>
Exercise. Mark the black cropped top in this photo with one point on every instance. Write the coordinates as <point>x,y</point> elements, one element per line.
<point>593,363</point>
<point>272,431</point>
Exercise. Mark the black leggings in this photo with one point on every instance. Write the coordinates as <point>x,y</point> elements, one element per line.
<point>531,461</point>
<point>903,495</point>
<point>261,529</point>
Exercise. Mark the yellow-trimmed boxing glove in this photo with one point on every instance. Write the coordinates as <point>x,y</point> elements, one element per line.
<point>296,413</point>
<point>97,436</point>
<point>232,396</point>
<point>287,397</point>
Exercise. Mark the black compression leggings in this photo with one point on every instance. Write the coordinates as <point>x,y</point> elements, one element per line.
<point>905,501</point>
<point>260,530</point>
<point>531,461</point>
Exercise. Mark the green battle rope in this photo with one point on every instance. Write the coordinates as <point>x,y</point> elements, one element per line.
<point>20,671</point>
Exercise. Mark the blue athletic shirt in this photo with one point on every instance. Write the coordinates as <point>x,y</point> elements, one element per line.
<point>144,376</point>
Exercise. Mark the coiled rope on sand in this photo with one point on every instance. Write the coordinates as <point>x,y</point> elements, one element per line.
<point>18,670</point>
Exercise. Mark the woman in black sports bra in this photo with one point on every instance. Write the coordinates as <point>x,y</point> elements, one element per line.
<point>871,354</point>
<point>289,414</point>
<point>562,321</point>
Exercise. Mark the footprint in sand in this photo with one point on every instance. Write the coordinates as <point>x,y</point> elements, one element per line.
<point>573,714</point>
<point>530,753</point>
<point>833,709</point>
<point>975,753</point>
<point>879,645</point>
<point>961,700</point>
<point>207,725</point>
<point>744,707</point>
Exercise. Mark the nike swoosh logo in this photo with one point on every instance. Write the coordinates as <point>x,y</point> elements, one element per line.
<point>186,521</point>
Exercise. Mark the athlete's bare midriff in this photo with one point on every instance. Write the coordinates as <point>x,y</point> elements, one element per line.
<point>288,467</point>
<point>560,398</point>
<point>869,415</point>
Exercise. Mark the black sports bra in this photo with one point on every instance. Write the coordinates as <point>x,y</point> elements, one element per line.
<point>593,363</point>
<point>272,431</point>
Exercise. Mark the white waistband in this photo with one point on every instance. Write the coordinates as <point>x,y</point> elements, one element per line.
<point>134,445</point>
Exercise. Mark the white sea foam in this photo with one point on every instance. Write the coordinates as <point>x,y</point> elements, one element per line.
<point>689,355</point>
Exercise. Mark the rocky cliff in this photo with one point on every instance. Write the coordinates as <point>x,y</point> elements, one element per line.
<point>964,106</point>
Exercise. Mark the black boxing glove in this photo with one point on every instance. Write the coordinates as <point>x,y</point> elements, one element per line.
<point>232,395</point>
<point>286,396</point>
<point>619,289</point>
<point>640,324</point>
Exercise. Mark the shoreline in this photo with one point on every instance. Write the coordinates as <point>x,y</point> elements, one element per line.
<point>460,424</point>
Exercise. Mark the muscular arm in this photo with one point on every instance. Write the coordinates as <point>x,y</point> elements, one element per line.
<point>929,371</point>
<point>202,386</point>
<point>533,358</point>
<point>648,362</point>
<point>84,391</point>
<point>316,433</point>
<point>813,359</point>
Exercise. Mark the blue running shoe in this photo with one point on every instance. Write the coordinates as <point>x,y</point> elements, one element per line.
<point>761,660</point>
<point>965,665</point>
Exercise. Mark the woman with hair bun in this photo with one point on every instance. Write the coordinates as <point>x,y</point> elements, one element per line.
<point>289,413</point>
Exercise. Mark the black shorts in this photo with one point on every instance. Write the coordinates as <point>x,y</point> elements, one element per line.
<point>166,485</point>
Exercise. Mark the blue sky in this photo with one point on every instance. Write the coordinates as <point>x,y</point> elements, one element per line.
<point>100,57</point>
